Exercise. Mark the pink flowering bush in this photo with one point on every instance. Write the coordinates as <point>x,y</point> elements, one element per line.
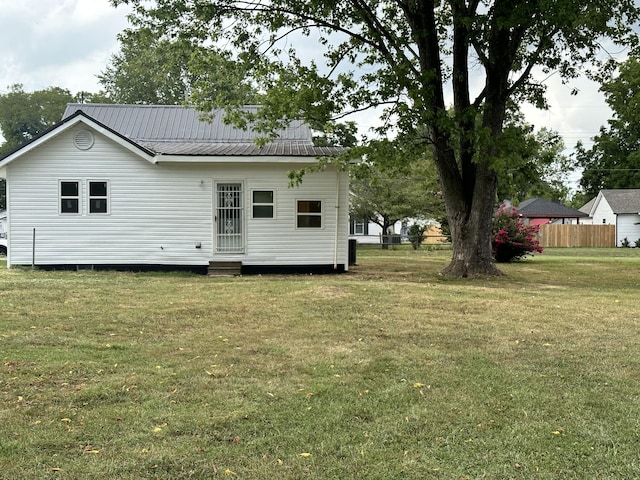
<point>512,238</point>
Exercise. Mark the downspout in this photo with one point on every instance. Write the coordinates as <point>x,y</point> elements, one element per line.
<point>335,244</point>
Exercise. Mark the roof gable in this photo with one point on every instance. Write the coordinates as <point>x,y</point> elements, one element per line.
<point>542,208</point>
<point>66,124</point>
<point>622,200</point>
<point>181,130</point>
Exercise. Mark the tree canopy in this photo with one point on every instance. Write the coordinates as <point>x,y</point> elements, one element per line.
<point>23,115</point>
<point>614,159</point>
<point>535,167</point>
<point>160,70</point>
<point>411,60</point>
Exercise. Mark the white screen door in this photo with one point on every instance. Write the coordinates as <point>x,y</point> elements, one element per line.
<point>230,211</point>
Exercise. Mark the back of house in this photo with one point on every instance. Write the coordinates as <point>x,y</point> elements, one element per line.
<point>148,186</point>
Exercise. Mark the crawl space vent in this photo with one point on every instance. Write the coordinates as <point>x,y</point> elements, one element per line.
<point>83,139</point>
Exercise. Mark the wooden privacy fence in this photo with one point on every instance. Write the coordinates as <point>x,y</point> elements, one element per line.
<point>577,235</point>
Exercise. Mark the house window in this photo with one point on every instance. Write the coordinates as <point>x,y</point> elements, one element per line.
<point>262,203</point>
<point>69,197</point>
<point>358,227</point>
<point>309,214</point>
<point>98,197</point>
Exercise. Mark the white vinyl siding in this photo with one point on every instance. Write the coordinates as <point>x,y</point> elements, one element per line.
<point>628,226</point>
<point>603,214</point>
<point>160,213</point>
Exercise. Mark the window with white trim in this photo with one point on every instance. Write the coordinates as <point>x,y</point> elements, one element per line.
<point>309,214</point>
<point>358,227</point>
<point>69,197</point>
<point>262,204</point>
<point>98,196</point>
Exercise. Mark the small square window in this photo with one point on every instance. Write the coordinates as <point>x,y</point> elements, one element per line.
<point>309,214</point>
<point>263,205</point>
<point>69,197</point>
<point>98,197</point>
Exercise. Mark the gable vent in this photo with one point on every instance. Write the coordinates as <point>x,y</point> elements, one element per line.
<point>83,139</point>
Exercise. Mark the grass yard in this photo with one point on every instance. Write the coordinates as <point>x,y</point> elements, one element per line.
<point>387,372</point>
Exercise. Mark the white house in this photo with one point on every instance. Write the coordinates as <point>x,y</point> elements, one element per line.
<point>620,207</point>
<point>368,232</point>
<point>149,186</point>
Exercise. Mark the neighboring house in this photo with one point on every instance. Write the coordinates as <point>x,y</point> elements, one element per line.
<point>371,233</point>
<point>586,208</point>
<point>368,232</point>
<point>620,207</point>
<point>148,186</point>
<point>3,232</point>
<point>538,211</point>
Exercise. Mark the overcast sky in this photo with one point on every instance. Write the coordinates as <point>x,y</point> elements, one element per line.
<point>67,43</point>
<point>62,43</point>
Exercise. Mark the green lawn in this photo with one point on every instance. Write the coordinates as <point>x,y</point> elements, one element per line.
<point>386,372</point>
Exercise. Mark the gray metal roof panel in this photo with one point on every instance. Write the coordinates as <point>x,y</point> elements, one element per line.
<point>176,122</point>
<point>180,130</point>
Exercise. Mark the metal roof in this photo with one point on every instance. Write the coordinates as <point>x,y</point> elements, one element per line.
<point>539,207</point>
<point>625,200</point>
<point>181,130</point>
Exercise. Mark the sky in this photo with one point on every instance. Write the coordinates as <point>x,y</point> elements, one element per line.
<point>67,43</point>
<point>60,43</point>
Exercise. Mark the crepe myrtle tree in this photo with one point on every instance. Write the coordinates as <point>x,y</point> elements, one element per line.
<point>413,60</point>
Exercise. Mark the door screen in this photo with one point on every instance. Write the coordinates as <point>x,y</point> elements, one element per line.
<point>229,234</point>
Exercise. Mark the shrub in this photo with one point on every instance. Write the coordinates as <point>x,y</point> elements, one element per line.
<point>637,243</point>
<point>625,243</point>
<point>416,235</point>
<point>512,239</point>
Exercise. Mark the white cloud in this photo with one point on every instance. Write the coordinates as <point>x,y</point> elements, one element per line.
<point>63,43</point>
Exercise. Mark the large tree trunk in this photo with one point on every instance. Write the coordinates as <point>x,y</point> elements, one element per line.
<point>462,160</point>
<point>470,225</point>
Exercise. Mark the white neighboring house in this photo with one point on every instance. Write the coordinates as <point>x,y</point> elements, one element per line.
<point>370,233</point>
<point>619,207</point>
<point>586,208</point>
<point>145,186</point>
<point>3,232</point>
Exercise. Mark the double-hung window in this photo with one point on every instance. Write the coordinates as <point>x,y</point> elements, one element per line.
<point>262,204</point>
<point>98,196</point>
<point>69,197</point>
<point>309,214</point>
